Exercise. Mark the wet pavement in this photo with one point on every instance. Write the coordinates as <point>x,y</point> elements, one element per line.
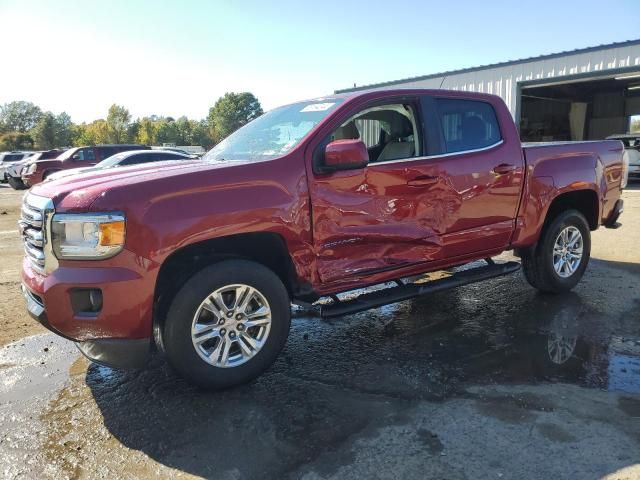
<point>492,380</point>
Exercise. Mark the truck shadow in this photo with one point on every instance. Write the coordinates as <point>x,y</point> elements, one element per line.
<point>342,379</point>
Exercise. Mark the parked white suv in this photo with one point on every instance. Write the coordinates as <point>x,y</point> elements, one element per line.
<point>9,158</point>
<point>13,172</point>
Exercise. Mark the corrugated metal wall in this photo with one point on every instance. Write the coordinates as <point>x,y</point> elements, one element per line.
<point>503,80</point>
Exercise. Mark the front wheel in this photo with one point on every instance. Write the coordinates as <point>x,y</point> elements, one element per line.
<point>227,324</point>
<point>562,254</point>
<point>16,183</point>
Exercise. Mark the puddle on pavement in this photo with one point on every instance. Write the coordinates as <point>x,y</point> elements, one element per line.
<point>346,372</point>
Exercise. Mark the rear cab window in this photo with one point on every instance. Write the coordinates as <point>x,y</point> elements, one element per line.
<point>467,125</point>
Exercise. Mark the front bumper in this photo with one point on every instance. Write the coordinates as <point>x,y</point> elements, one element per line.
<point>116,353</point>
<point>119,335</point>
<point>634,171</point>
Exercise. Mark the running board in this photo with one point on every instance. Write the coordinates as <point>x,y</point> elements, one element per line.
<point>386,296</point>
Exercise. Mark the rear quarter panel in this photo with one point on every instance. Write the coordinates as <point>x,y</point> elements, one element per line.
<point>557,168</point>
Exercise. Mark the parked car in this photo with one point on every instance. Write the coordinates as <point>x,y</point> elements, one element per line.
<point>77,157</point>
<point>123,159</point>
<point>173,149</point>
<point>14,171</point>
<point>9,158</point>
<point>202,259</point>
<point>631,143</point>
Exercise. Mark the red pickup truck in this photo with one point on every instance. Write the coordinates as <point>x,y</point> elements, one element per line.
<point>201,260</point>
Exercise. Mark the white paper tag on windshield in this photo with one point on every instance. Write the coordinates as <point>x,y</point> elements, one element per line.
<point>317,107</point>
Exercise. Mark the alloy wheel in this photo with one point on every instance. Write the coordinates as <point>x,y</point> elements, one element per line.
<point>231,325</point>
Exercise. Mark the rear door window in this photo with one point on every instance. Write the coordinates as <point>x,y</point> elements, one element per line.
<point>135,159</point>
<point>467,124</point>
<point>106,152</point>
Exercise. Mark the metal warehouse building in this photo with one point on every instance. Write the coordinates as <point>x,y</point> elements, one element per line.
<point>584,94</point>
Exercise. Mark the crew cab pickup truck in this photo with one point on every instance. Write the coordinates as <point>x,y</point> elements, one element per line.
<point>203,259</point>
<point>78,157</point>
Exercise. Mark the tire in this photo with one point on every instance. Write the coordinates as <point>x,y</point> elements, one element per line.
<point>17,183</point>
<point>193,309</point>
<point>538,265</point>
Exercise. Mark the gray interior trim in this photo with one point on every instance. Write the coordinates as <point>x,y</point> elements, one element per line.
<point>441,155</point>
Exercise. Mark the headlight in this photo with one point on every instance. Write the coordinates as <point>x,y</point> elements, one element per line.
<point>31,168</point>
<point>87,236</point>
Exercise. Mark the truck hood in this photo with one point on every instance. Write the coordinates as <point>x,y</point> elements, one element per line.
<point>69,172</point>
<point>49,162</point>
<point>79,192</point>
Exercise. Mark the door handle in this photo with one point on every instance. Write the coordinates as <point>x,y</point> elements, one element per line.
<point>423,181</point>
<point>503,169</point>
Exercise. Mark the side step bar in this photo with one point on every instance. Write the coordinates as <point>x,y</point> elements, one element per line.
<point>386,296</point>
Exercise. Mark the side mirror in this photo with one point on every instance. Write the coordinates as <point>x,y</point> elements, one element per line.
<point>345,155</point>
<point>76,156</point>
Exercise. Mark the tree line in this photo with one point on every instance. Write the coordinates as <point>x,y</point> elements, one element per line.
<point>24,126</point>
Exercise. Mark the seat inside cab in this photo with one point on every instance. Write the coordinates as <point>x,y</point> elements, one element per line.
<point>389,132</point>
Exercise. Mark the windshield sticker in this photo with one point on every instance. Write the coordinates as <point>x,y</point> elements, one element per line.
<point>317,107</point>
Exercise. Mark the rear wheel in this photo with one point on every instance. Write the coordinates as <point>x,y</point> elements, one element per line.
<point>227,324</point>
<point>561,255</point>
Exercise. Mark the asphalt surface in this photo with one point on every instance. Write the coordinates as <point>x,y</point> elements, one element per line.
<point>493,380</point>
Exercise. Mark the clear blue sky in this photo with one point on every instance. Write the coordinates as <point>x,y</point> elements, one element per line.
<point>176,58</point>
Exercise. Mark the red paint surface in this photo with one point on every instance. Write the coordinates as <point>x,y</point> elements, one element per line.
<point>343,230</point>
<point>346,153</point>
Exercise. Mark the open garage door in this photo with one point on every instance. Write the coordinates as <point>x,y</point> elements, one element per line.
<point>589,109</point>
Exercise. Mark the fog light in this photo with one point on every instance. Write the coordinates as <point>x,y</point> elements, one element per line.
<point>86,301</point>
<point>95,298</point>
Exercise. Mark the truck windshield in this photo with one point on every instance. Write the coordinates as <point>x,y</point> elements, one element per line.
<point>273,134</point>
<point>67,154</point>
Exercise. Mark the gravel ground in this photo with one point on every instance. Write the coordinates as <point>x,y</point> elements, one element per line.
<point>457,385</point>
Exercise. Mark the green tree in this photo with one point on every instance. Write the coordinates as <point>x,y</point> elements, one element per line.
<point>166,131</point>
<point>44,133</point>
<point>132,131</point>
<point>146,131</point>
<point>232,111</point>
<point>118,120</point>
<point>64,130</point>
<point>16,141</point>
<point>19,116</point>
<point>184,128</point>
<point>91,133</point>
<point>201,134</point>
<point>53,131</point>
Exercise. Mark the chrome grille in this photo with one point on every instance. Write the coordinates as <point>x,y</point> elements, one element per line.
<point>33,228</point>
